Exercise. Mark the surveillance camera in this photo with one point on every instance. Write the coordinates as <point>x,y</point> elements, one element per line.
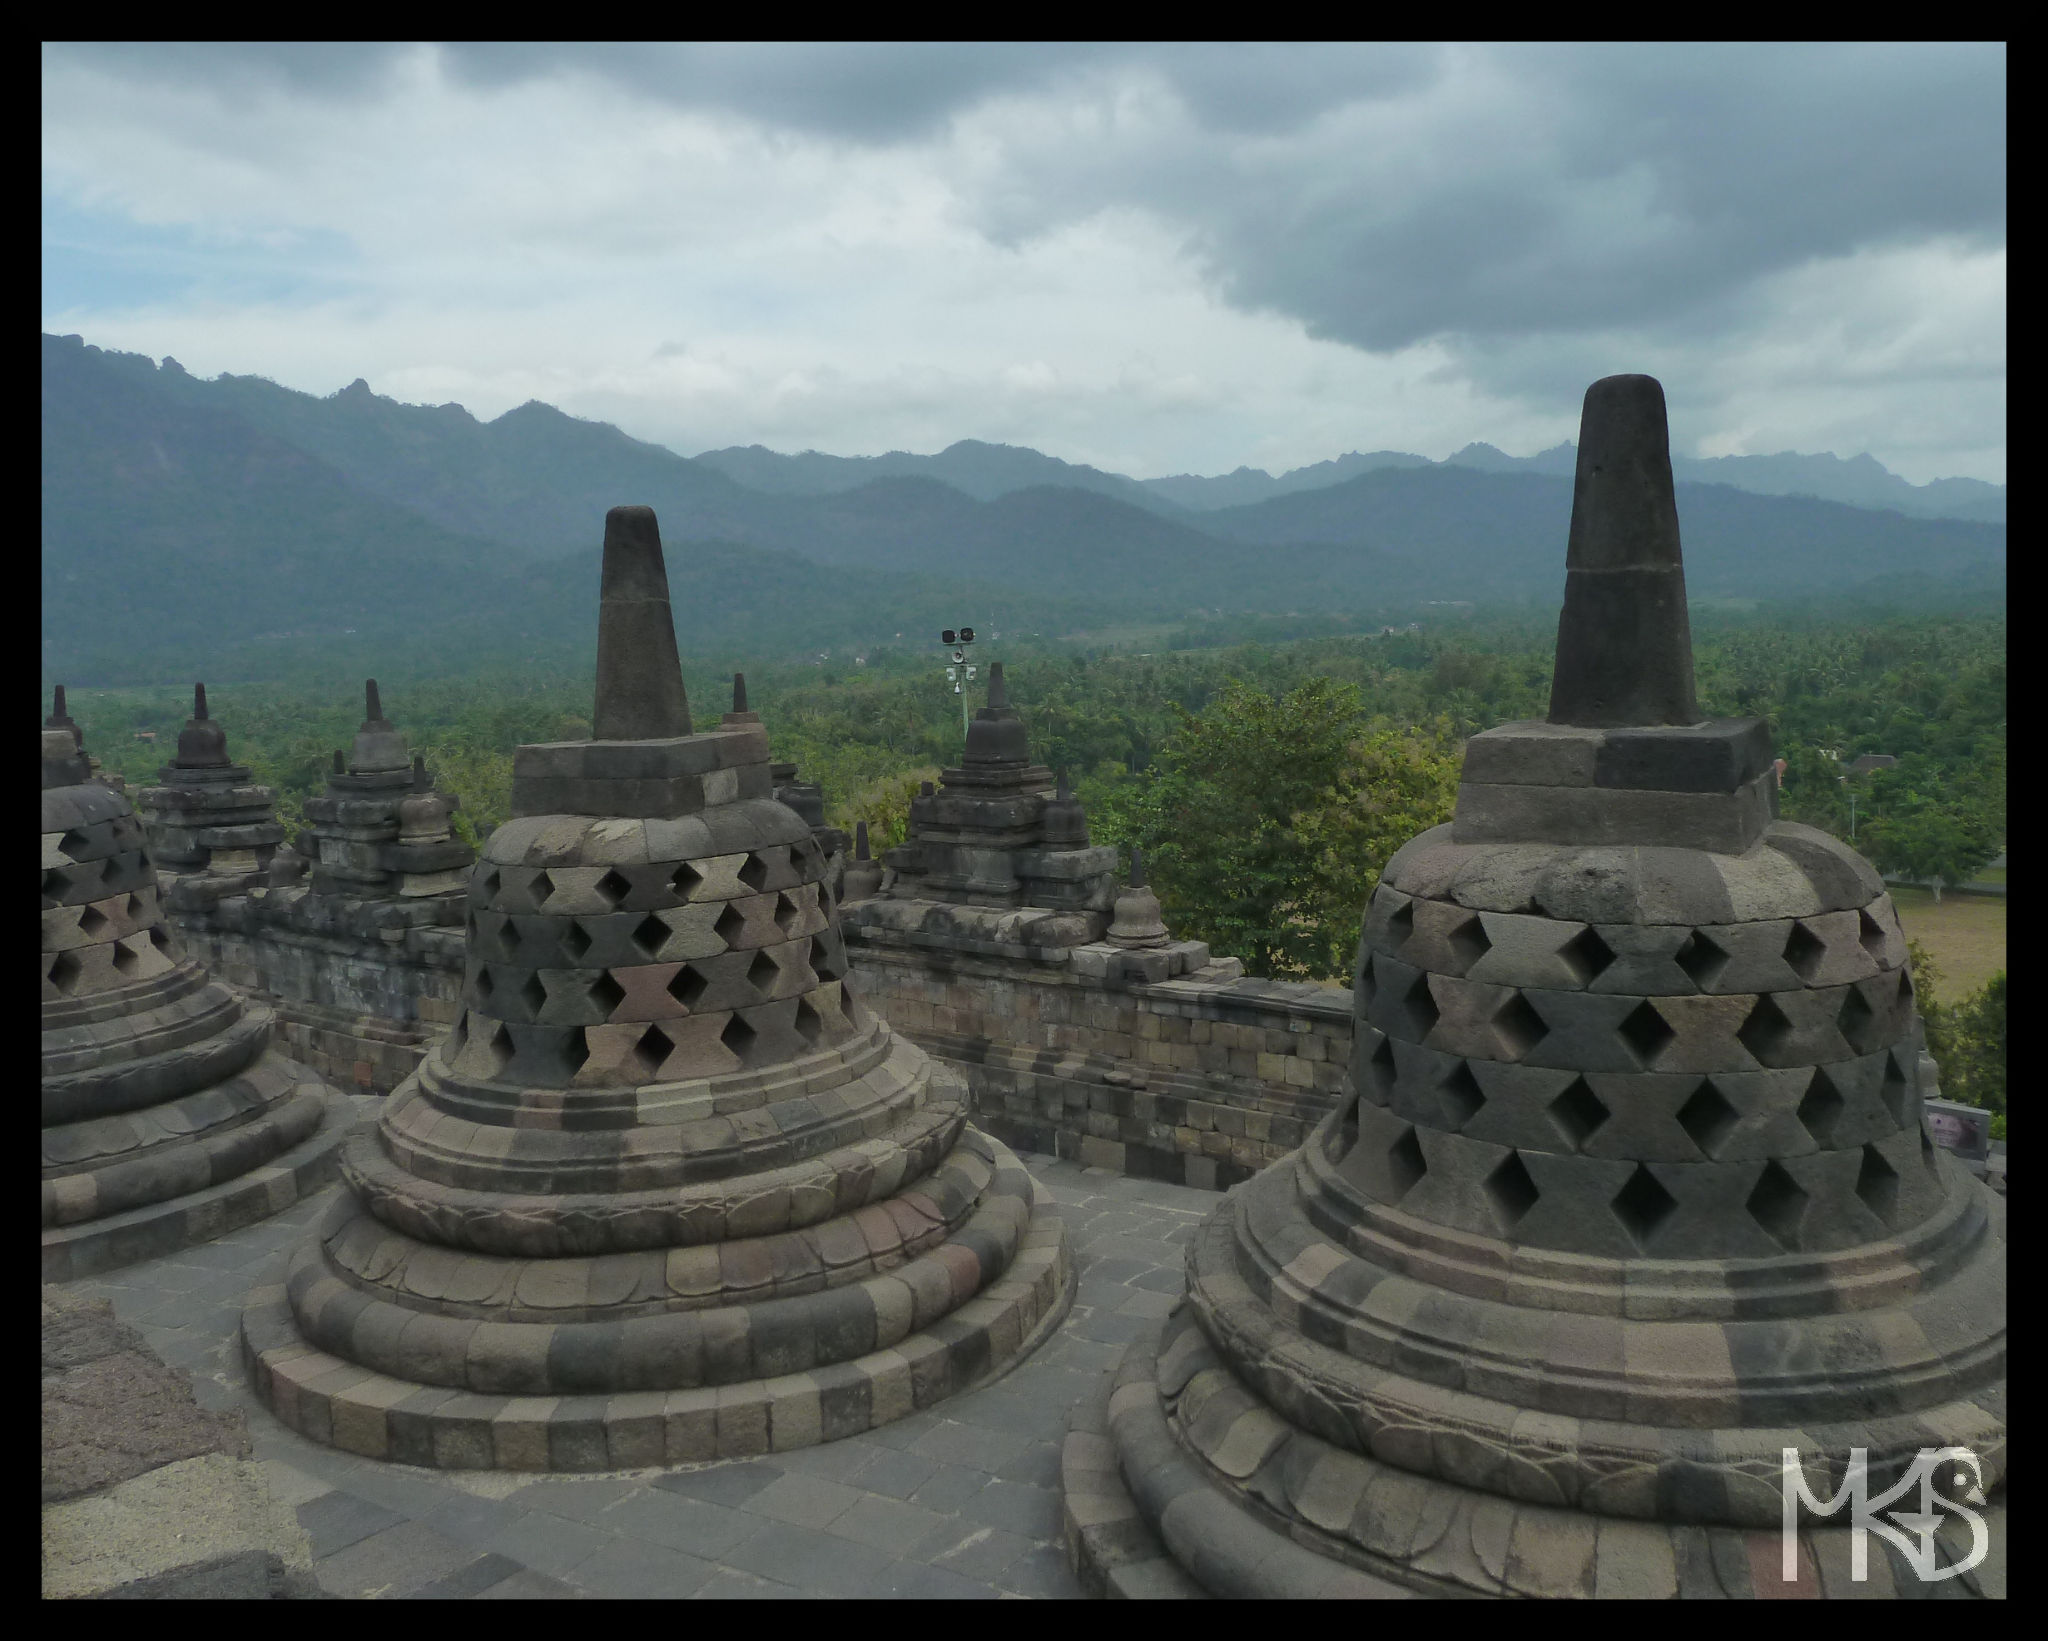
<point>946,637</point>
<point>966,635</point>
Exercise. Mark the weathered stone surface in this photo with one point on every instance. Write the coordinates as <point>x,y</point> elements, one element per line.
<point>166,1115</point>
<point>663,1149</point>
<point>1634,1193</point>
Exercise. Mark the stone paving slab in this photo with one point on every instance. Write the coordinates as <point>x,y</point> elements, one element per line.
<point>958,1501</point>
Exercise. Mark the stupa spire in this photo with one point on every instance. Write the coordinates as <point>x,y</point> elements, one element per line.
<point>1624,646</point>
<point>640,693</point>
<point>60,719</point>
<point>202,743</point>
<point>998,696</point>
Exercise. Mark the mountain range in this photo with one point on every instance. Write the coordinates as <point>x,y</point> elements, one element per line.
<point>991,470</point>
<point>233,521</point>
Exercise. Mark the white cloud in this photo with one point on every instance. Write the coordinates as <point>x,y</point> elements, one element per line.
<point>1152,260</point>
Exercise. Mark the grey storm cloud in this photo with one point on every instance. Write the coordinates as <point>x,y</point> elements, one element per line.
<point>1380,195</point>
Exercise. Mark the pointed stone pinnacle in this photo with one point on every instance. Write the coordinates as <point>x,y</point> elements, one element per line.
<point>1624,644</point>
<point>998,696</point>
<point>373,709</point>
<point>340,763</point>
<point>199,700</point>
<point>1063,791</point>
<point>60,719</point>
<point>1137,867</point>
<point>739,692</point>
<point>639,674</point>
<point>860,840</point>
<point>421,781</point>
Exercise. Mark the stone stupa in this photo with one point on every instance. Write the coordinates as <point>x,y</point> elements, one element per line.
<point>367,836</point>
<point>667,1192</point>
<point>212,828</point>
<point>167,1117</point>
<point>1633,1194</point>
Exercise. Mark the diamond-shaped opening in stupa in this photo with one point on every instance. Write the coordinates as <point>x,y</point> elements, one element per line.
<point>1708,1118</point>
<point>1643,1206</point>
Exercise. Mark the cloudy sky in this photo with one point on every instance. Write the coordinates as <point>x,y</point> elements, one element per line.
<point>1156,259</point>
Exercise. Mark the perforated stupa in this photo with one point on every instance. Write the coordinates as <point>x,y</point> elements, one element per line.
<point>1632,1194</point>
<point>667,1192</point>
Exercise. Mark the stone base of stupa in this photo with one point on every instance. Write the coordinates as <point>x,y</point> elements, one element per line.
<point>1182,1481</point>
<point>954,1317</point>
<point>239,1195</point>
<point>1140,1507</point>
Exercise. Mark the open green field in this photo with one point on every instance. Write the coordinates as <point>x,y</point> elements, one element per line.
<point>1965,935</point>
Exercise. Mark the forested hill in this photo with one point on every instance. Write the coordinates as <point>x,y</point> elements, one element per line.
<point>187,518</point>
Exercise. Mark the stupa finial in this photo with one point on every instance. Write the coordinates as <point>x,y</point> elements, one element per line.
<point>639,674</point>
<point>860,840</point>
<point>998,696</point>
<point>340,763</point>
<point>198,700</point>
<point>60,719</point>
<point>373,708</point>
<point>1624,645</point>
<point>1137,867</point>
<point>1063,791</point>
<point>739,692</point>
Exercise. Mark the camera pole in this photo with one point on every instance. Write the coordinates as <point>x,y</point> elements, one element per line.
<point>960,673</point>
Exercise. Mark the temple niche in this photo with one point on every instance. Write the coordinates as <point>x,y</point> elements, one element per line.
<point>380,830</point>
<point>999,861</point>
<point>667,1191</point>
<point>999,937</point>
<point>168,1116</point>
<point>1631,1193</point>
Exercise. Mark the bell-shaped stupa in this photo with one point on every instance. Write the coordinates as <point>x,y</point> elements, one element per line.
<point>213,830</point>
<point>168,1119</point>
<point>1632,1198</point>
<point>667,1192</point>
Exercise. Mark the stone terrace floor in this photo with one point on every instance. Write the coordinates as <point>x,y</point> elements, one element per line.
<point>959,1500</point>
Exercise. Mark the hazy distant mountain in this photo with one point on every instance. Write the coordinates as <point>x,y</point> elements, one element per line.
<point>179,539</point>
<point>185,518</point>
<point>1501,533</point>
<point>1859,482</point>
<point>984,471</point>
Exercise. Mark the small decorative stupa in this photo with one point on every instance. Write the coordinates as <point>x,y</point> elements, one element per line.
<point>355,836</point>
<point>667,1192</point>
<point>1137,924</point>
<point>1631,1200</point>
<point>212,829</point>
<point>863,879</point>
<point>807,798</point>
<point>167,1118</point>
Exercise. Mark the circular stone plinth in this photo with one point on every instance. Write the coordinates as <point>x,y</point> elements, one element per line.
<point>336,1401</point>
<point>159,1228</point>
<point>1178,1482</point>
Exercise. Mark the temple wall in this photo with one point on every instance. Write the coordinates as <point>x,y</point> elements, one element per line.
<point>1193,1080</point>
<point>361,988</point>
<point>1201,1081</point>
